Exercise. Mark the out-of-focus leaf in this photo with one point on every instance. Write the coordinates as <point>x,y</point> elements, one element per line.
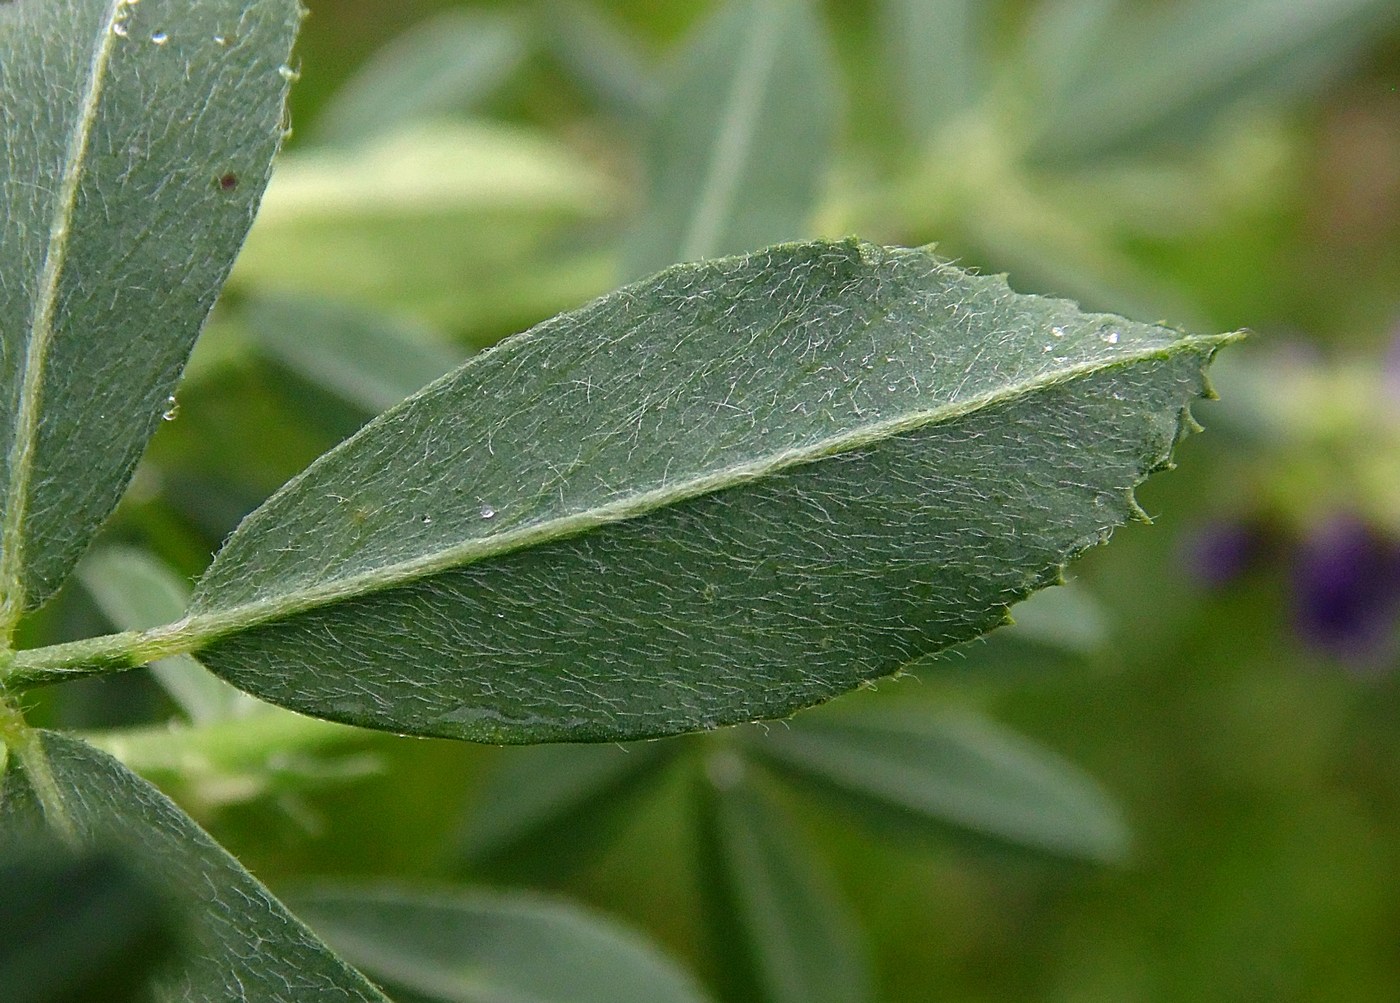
<point>447,63</point>
<point>79,929</point>
<point>463,225</point>
<point>556,804</point>
<point>135,592</point>
<point>936,54</point>
<point>1066,618</point>
<point>600,57</point>
<point>740,145</point>
<point>136,140</point>
<point>1057,629</point>
<point>730,491</point>
<point>241,944</point>
<point>1170,71</point>
<point>369,360</point>
<point>1061,38</point>
<point>473,948</point>
<point>781,932</point>
<point>241,759</point>
<point>959,772</point>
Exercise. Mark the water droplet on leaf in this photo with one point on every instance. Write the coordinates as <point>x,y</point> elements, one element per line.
<point>487,512</point>
<point>160,38</point>
<point>172,409</point>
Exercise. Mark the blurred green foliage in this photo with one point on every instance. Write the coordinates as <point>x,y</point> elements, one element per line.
<point>1218,164</point>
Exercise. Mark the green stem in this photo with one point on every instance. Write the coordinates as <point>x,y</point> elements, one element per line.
<point>95,656</point>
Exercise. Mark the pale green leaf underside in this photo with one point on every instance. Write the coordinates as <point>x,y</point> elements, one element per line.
<point>475,948</point>
<point>727,492</point>
<point>244,947</point>
<point>135,140</point>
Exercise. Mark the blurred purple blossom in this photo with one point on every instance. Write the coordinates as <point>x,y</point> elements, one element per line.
<point>1344,580</point>
<point>1346,590</point>
<point>1221,552</point>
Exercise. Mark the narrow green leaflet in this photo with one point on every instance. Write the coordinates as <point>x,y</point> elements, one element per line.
<point>1168,71</point>
<point>937,57</point>
<point>725,493</point>
<point>367,359</point>
<point>957,772</point>
<point>135,141</point>
<point>453,947</point>
<point>554,804</point>
<point>781,930</point>
<point>242,944</point>
<point>447,63</point>
<point>740,145</point>
<point>135,591</point>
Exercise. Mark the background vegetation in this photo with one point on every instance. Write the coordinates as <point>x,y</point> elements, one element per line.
<point>1228,675</point>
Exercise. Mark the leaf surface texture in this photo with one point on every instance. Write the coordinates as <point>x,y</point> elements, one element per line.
<point>135,141</point>
<point>730,491</point>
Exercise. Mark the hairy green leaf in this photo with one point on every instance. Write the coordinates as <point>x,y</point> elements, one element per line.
<point>780,929</point>
<point>739,148</point>
<point>243,946</point>
<point>475,948</point>
<point>959,772</point>
<point>447,63</point>
<point>135,141</point>
<point>135,591</point>
<point>730,491</point>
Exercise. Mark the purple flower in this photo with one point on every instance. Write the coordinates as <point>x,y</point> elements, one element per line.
<point>1346,590</point>
<point>1221,552</point>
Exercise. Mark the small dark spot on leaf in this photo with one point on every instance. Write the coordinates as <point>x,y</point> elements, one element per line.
<point>227,182</point>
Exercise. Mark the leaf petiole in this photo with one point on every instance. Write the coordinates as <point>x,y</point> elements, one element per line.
<point>94,656</point>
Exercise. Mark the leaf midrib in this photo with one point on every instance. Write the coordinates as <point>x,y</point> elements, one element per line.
<point>200,628</point>
<point>41,332</point>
